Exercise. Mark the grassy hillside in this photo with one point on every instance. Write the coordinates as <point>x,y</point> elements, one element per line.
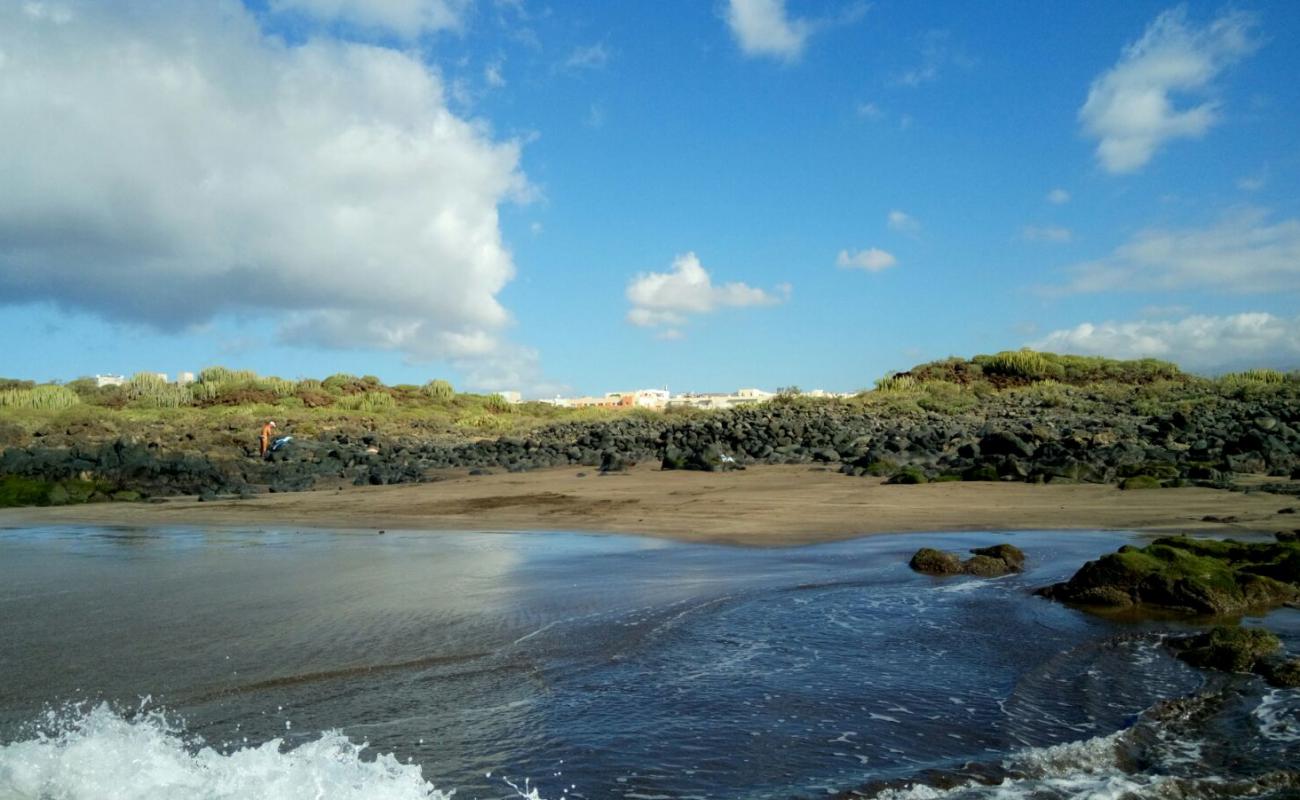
<point>227,406</point>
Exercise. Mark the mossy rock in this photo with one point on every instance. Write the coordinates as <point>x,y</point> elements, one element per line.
<point>981,472</point>
<point>1197,576</point>
<point>985,567</point>
<point>908,475</point>
<point>127,496</point>
<point>1154,469</point>
<point>1012,555</point>
<point>881,468</point>
<point>1283,673</point>
<point>935,562</point>
<point>1140,482</point>
<point>1230,649</point>
<point>986,562</point>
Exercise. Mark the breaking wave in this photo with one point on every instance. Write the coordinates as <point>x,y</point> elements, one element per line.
<point>78,754</point>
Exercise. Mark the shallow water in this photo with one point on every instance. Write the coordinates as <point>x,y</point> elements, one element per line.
<point>593,666</point>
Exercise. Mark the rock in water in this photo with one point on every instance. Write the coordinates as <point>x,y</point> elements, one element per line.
<point>935,562</point>
<point>1197,576</point>
<point>987,562</point>
<point>1236,649</point>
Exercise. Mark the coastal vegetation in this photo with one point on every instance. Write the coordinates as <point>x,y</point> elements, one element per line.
<point>1016,416</point>
<point>221,398</point>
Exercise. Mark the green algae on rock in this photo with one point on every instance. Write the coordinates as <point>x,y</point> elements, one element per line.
<point>985,562</point>
<point>1237,649</point>
<point>1196,576</point>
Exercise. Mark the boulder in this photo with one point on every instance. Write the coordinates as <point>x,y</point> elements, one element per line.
<point>1230,649</point>
<point>985,562</point>
<point>935,562</point>
<point>1195,576</point>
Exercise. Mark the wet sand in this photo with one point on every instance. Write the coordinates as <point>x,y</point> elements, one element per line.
<point>765,505</point>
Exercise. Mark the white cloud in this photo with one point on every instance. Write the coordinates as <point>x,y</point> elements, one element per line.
<point>870,111</point>
<point>492,75</point>
<point>1252,183</point>
<point>1058,197</point>
<point>763,28</point>
<point>1207,343</point>
<point>872,260</point>
<point>1244,253</point>
<point>1054,234</point>
<point>169,166</point>
<point>1130,108</point>
<point>592,56</point>
<point>937,54</point>
<point>667,298</point>
<point>406,18</point>
<point>903,222</point>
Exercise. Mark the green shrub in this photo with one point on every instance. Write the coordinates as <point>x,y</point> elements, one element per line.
<point>225,375</point>
<point>498,404</point>
<point>40,398</point>
<point>342,382</point>
<point>1140,482</point>
<point>369,402</point>
<point>897,382</point>
<point>1020,364</point>
<point>147,390</point>
<point>439,389</point>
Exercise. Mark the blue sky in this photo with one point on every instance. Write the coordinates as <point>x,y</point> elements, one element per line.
<point>590,196</point>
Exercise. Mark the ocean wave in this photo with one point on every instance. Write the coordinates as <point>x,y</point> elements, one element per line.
<point>91,754</point>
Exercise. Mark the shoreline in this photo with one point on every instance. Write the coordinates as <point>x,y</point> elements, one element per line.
<point>762,506</point>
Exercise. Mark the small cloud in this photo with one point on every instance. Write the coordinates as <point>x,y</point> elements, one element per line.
<point>1058,197</point>
<point>594,56</point>
<point>595,117</point>
<point>762,28</point>
<point>1130,108</point>
<point>870,111</point>
<point>665,299</point>
<point>1253,339</point>
<point>871,260</point>
<point>1243,253</point>
<point>536,229</point>
<point>492,75</point>
<point>937,54</point>
<point>405,18</point>
<point>1252,183</point>
<point>670,335</point>
<point>1054,234</point>
<point>903,222</point>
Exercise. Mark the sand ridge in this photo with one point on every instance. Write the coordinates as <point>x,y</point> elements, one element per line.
<point>764,505</point>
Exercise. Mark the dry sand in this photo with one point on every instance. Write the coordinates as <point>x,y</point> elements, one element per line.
<point>765,505</point>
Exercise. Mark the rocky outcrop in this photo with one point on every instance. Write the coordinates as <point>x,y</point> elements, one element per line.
<point>1005,438</point>
<point>1194,576</point>
<point>1236,649</point>
<point>985,562</point>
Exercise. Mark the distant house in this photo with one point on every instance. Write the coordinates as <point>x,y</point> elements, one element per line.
<point>109,380</point>
<point>185,378</point>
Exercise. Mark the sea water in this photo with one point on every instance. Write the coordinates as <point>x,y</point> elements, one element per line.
<point>189,663</point>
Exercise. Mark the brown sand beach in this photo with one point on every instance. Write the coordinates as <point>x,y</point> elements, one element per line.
<point>764,506</point>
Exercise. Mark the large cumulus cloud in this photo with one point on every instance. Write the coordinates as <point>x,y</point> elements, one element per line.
<point>165,162</point>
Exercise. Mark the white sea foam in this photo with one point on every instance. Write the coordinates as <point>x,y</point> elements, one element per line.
<point>1087,768</point>
<point>1277,716</point>
<point>99,754</point>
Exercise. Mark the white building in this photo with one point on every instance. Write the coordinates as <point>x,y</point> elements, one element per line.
<point>109,380</point>
<point>184,378</point>
<point>513,398</point>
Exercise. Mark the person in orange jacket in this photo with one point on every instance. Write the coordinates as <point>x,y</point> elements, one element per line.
<point>265,440</point>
